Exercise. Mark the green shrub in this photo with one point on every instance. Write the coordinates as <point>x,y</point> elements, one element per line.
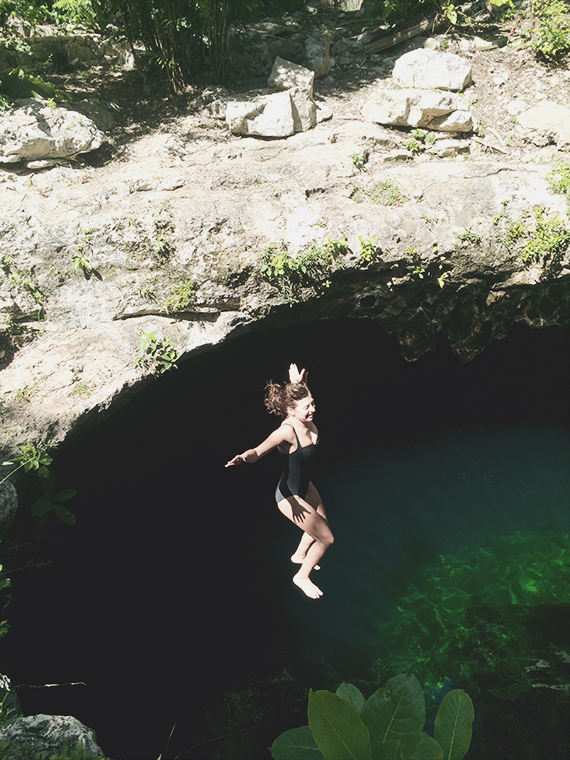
<point>549,240</point>
<point>552,37</point>
<point>29,10</point>
<point>180,296</point>
<point>292,272</point>
<point>157,354</point>
<point>367,248</point>
<point>74,12</point>
<point>560,180</point>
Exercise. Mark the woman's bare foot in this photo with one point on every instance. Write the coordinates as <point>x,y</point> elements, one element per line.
<point>298,560</point>
<point>307,587</point>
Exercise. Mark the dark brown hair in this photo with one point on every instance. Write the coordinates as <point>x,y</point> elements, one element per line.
<point>280,396</point>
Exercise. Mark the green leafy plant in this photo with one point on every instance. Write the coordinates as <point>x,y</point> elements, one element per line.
<point>551,37</point>
<point>13,335</point>
<point>22,280</point>
<point>386,726</point>
<point>559,179</point>
<point>81,389</point>
<point>359,160</point>
<point>515,231</point>
<point>417,142</point>
<point>16,84</point>
<point>432,268</point>
<point>442,278</point>
<point>145,292</point>
<point>180,296</point>
<point>415,146</point>
<point>337,247</point>
<point>32,459</point>
<point>367,248</point>
<point>82,263</point>
<point>387,193</point>
<point>419,269</point>
<point>467,235</point>
<point>549,240</point>
<point>95,14</point>
<point>292,272</point>
<point>163,231</point>
<point>157,354</point>
<point>52,502</point>
<point>26,393</point>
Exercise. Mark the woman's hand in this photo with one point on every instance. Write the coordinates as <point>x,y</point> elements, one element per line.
<point>294,375</point>
<point>239,459</point>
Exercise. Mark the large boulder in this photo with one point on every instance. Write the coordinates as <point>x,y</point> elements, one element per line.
<point>442,111</point>
<point>264,116</point>
<point>48,733</point>
<point>432,69</point>
<point>546,123</point>
<point>304,109</point>
<point>285,75</point>
<point>35,130</point>
<point>280,114</point>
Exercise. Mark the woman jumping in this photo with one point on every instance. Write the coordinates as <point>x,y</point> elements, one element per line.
<point>297,498</point>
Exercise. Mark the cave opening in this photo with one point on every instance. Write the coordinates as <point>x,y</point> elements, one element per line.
<point>175,584</point>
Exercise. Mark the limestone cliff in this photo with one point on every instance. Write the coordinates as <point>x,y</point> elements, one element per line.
<point>171,238</point>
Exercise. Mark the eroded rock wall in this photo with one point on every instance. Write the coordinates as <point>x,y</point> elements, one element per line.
<point>183,210</point>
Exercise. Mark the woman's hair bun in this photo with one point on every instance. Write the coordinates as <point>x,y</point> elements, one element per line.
<point>280,396</point>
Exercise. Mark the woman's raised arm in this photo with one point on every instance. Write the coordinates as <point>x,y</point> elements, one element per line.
<point>282,434</point>
<point>295,375</point>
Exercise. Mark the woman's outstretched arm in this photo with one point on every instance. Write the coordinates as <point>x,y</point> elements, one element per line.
<point>250,456</point>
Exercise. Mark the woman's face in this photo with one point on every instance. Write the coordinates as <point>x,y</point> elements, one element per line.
<point>303,410</point>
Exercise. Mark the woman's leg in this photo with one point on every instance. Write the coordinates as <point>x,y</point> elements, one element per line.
<point>314,499</point>
<point>302,549</point>
<point>311,522</point>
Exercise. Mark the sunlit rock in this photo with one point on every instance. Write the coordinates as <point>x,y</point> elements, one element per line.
<point>285,75</point>
<point>34,130</point>
<point>430,68</point>
<point>417,108</point>
<point>546,123</point>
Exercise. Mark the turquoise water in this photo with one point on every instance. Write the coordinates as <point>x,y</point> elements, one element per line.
<point>398,507</point>
<point>176,583</point>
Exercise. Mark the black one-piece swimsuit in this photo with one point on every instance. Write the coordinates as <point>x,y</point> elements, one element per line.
<point>297,469</point>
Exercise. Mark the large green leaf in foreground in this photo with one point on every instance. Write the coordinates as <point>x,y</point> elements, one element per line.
<point>296,744</point>
<point>453,724</point>
<point>352,694</point>
<point>396,714</point>
<point>337,728</point>
<point>427,749</point>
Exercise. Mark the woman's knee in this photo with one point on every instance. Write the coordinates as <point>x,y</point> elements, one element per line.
<point>328,539</point>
